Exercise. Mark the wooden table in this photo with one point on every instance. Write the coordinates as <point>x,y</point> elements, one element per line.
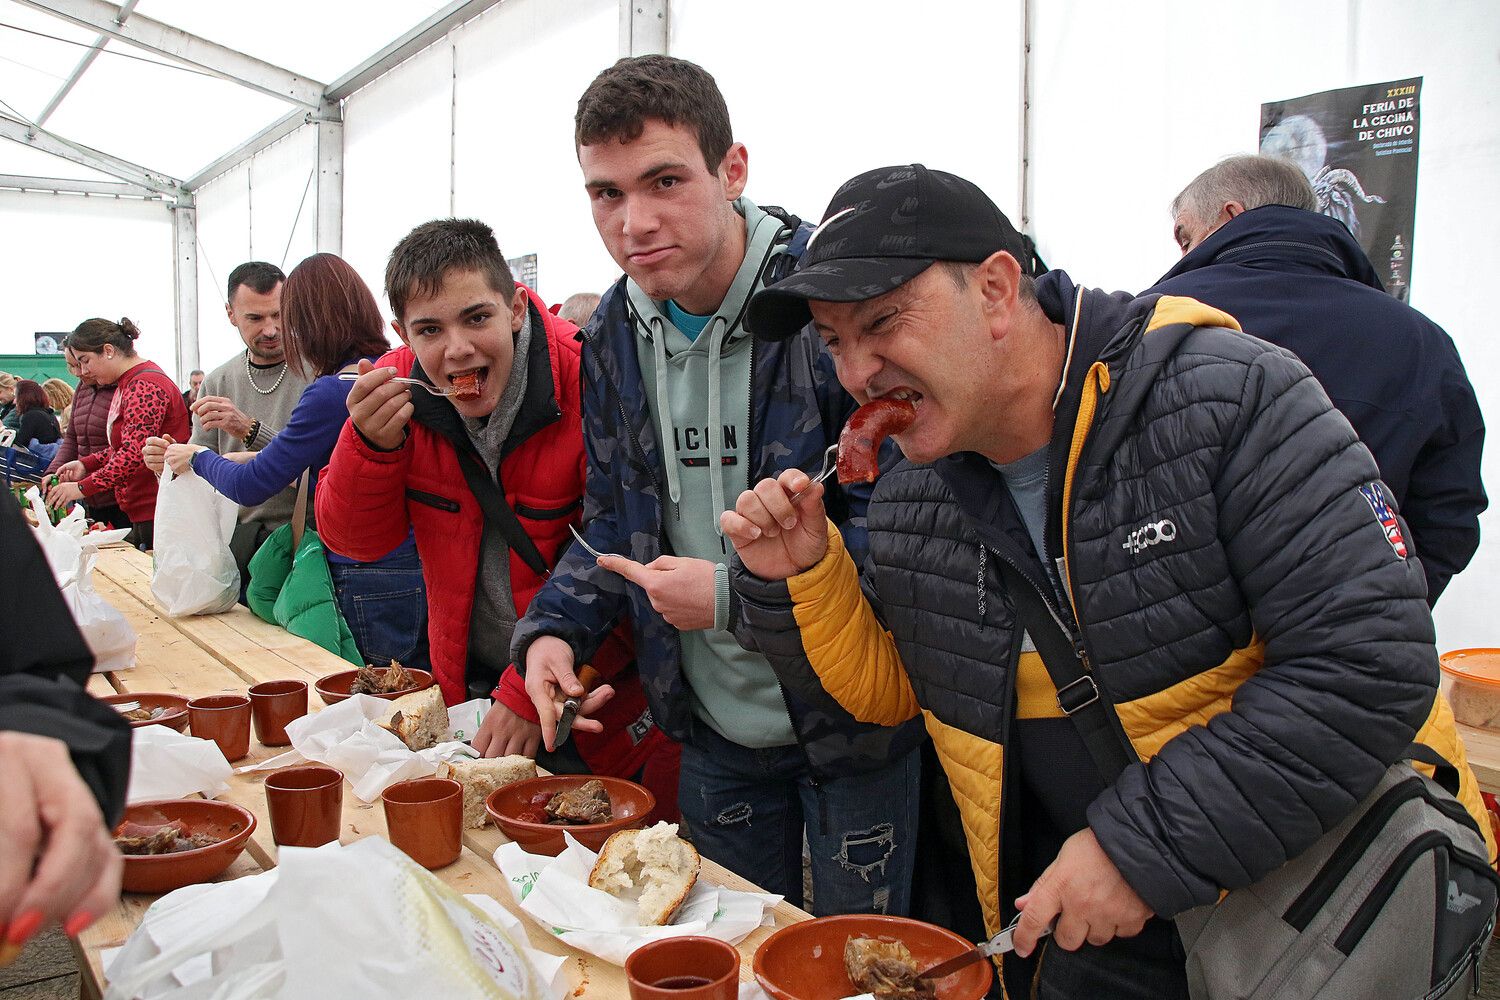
<point>211,654</point>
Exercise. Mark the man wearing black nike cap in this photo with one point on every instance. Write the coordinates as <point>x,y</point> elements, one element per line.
<point>1141,483</point>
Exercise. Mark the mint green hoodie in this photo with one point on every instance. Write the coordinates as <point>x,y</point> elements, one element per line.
<point>704,434</point>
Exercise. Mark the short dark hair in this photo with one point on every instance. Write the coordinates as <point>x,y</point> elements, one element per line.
<point>330,317</point>
<point>91,335</point>
<point>260,276</point>
<point>624,97</point>
<point>30,396</point>
<point>426,254</point>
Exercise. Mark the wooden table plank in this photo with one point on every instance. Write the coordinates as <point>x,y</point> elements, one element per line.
<point>254,649</point>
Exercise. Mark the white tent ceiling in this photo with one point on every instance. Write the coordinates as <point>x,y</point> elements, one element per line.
<point>146,108</point>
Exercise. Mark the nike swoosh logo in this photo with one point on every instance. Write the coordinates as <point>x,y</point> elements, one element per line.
<point>826,223</point>
<point>899,177</point>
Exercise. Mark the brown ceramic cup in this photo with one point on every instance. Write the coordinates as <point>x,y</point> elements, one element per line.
<point>225,719</point>
<point>424,817</point>
<point>684,968</point>
<point>273,705</point>
<point>306,804</point>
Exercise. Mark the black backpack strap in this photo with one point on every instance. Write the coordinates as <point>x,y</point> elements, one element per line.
<point>1444,773</point>
<point>496,510</point>
<point>1077,693</point>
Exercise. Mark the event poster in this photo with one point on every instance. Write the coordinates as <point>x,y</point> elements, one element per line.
<point>1358,147</point>
<point>523,269</point>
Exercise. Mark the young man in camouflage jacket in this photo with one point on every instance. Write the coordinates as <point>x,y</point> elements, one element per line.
<point>682,411</point>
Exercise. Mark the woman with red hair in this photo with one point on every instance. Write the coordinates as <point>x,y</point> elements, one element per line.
<point>330,322</point>
<point>38,422</point>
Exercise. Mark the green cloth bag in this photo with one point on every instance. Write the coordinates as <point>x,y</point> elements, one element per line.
<point>291,587</point>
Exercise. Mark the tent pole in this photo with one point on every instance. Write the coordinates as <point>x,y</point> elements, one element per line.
<point>185,281</point>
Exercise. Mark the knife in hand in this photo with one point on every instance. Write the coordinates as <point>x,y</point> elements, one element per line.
<point>589,678</point>
<point>1000,944</point>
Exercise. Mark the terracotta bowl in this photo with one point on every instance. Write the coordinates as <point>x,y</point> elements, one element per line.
<point>629,801</point>
<point>806,961</point>
<point>176,715</point>
<point>165,872</point>
<point>334,688</point>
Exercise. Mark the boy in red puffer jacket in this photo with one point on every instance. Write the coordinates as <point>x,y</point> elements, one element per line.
<point>490,475</point>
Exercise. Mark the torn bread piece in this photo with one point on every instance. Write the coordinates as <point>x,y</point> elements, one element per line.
<point>481,777</point>
<point>653,866</point>
<point>419,719</point>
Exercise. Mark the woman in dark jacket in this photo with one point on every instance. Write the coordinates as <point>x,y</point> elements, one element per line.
<point>87,432</point>
<point>64,758</point>
<point>38,422</point>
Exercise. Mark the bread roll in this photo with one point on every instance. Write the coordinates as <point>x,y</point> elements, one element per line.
<point>654,866</point>
<point>419,719</point>
<point>481,777</point>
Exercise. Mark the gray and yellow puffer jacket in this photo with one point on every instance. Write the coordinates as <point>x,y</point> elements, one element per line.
<point>1262,637</point>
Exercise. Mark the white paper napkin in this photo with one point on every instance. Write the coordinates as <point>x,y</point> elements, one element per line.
<point>165,764</point>
<point>555,893</point>
<point>372,758</point>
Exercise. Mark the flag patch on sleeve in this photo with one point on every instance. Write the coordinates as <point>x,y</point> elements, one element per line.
<point>1375,497</point>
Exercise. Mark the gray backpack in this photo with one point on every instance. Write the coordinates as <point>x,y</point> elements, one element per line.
<point>1396,902</point>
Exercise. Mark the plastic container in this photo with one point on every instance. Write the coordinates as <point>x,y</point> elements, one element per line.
<point>1475,686</point>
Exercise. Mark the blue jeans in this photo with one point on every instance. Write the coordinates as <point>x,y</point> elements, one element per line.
<point>747,810</point>
<point>385,606</point>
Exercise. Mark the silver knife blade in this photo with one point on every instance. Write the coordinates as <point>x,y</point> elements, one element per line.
<point>589,548</point>
<point>565,721</point>
<point>1001,944</point>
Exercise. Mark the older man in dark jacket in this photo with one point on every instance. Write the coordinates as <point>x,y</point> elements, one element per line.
<point>1177,503</point>
<point>1253,247</point>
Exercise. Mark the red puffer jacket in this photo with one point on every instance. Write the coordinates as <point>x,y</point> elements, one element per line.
<point>368,499</point>
<point>146,404</point>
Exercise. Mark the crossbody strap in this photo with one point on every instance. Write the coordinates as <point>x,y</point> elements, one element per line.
<point>1079,697</point>
<point>1077,693</point>
<point>299,510</point>
<point>492,502</point>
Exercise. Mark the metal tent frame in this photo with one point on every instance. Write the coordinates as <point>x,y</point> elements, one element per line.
<point>643,28</point>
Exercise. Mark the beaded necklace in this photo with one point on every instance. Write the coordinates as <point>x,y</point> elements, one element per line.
<point>251,377</point>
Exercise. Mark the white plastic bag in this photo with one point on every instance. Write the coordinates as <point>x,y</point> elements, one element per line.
<point>71,552</point>
<point>362,922</point>
<point>195,573</point>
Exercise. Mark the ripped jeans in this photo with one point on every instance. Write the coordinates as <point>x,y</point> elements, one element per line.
<point>747,809</point>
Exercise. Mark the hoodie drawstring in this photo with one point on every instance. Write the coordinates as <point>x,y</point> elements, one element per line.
<point>715,422</point>
<point>664,408</point>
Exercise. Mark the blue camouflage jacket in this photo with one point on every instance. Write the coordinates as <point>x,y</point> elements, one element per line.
<point>797,411</point>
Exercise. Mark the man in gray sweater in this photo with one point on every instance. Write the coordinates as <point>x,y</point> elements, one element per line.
<point>244,402</point>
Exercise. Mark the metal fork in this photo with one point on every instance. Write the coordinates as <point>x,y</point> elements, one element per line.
<point>351,376</point>
<point>830,463</point>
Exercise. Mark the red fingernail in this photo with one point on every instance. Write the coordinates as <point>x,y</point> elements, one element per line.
<point>78,923</point>
<point>23,927</point>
